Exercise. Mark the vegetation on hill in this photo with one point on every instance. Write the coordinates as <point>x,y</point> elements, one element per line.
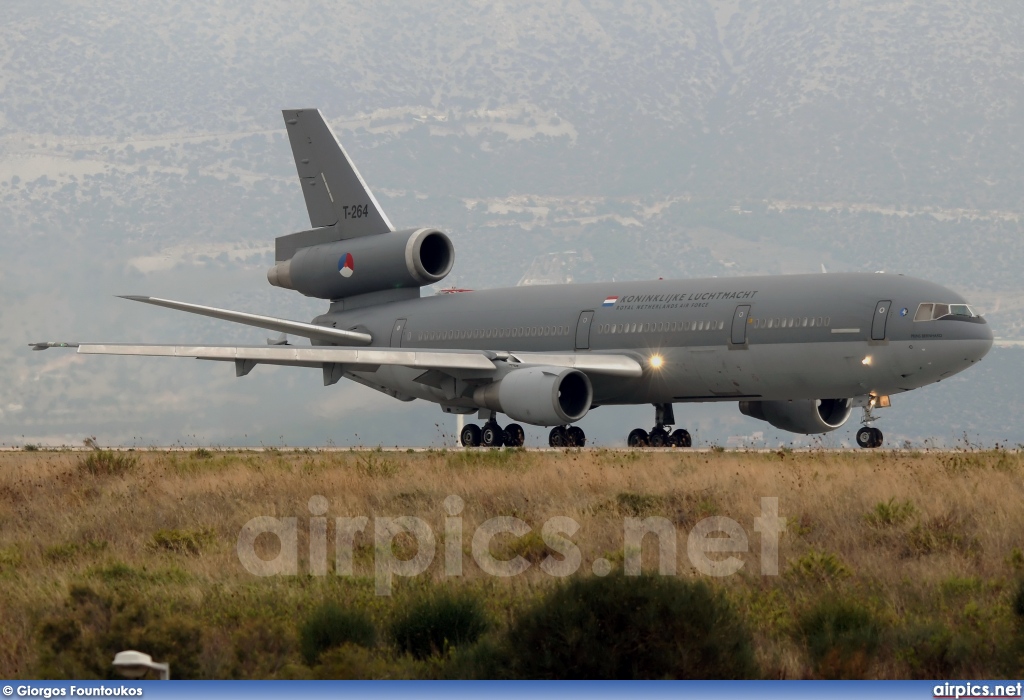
<point>891,565</point>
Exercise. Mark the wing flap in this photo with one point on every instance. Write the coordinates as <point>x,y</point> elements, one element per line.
<point>608,365</point>
<point>469,361</point>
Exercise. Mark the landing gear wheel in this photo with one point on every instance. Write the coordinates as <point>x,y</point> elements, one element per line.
<point>638,438</point>
<point>492,435</point>
<point>869,437</point>
<point>470,436</point>
<point>516,435</point>
<point>658,437</point>
<point>577,438</point>
<point>558,437</point>
<point>682,438</point>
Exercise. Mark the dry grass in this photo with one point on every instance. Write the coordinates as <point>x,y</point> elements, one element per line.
<point>924,541</point>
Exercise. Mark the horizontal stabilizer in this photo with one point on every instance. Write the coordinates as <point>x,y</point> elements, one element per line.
<point>303,330</point>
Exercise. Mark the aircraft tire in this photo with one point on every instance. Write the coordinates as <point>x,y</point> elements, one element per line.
<point>492,435</point>
<point>516,435</point>
<point>577,438</point>
<point>682,438</point>
<point>470,436</point>
<point>638,438</point>
<point>558,437</point>
<point>879,438</point>
<point>866,437</point>
<point>658,438</point>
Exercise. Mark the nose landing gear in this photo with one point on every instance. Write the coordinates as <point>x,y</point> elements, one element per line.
<point>868,437</point>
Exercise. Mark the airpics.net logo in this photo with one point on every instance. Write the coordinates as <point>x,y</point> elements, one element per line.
<point>346,265</point>
<point>718,535</point>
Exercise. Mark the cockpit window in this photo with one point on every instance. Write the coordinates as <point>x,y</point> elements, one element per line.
<point>933,312</point>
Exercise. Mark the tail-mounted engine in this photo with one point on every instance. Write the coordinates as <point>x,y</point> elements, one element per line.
<point>393,260</point>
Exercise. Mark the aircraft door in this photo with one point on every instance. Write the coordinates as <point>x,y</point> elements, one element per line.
<point>396,333</point>
<point>879,320</point>
<point>583,330</point>
<point>739,325</point>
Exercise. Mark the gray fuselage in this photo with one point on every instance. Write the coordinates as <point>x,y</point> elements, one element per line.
<point>719,339</point>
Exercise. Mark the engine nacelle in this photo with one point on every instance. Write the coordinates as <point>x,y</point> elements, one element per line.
<point>410,258</point>
<point>808,416</point>
<point>539,395</point>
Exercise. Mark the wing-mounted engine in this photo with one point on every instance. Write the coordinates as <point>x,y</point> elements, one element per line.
<point>809,417</point>
<point>393,260</point>
<point>539,395</point>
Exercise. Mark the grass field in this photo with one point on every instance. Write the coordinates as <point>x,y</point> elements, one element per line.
<point>891,565</point>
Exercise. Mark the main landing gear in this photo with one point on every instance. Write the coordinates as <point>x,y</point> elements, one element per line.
<point>567,436</point>
<point>660,435</point>
<point>513,435</point>
<point>868,437</point>
<point>492,435</point>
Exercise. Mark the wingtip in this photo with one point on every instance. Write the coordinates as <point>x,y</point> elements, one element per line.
<point>132,297</point>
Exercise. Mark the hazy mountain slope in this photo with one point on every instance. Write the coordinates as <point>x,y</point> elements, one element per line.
<point>141,151</point>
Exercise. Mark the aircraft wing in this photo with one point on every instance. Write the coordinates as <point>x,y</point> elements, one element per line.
<point>304,330</point>
<point>474,361</point>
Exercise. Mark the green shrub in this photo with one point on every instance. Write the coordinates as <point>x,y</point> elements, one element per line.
<point>821,567</point>
<point>80,640</point>
<point>107,463</point>
<point>931,650</point>
<point>437,623</point>
<point>841,638</point>
<point>638,505</point>
<point>945,533</point>
<point>182,541</point>
<point>330,626</point>
<point>61,552</point>
<point>1018,602</point>
<point>625,627</point>
<point>374,465</point>
<point>530,547</point>
<point>890,513</point>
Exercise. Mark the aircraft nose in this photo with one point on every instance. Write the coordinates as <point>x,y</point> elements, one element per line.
<point>980,342</point>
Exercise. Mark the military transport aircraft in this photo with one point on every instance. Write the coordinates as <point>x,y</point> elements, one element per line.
<point>798,351</point>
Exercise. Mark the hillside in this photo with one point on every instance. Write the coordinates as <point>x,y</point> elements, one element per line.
<point>142,151</point>
<point>87,537</point>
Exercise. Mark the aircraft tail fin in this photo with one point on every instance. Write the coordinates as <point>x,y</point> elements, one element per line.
<point>337,197</point>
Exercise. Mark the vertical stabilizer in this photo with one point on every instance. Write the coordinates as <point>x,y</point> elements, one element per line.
<point>336,195</point>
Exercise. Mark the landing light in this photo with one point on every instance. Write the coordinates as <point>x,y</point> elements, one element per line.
<point>657,361</point>
<point>866,361</point>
